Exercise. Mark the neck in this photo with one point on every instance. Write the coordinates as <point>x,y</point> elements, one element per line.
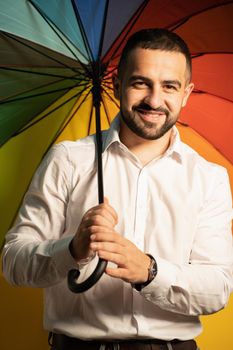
<point>145,150</point>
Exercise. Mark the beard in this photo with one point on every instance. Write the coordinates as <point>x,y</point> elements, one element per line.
<point>146,129</point>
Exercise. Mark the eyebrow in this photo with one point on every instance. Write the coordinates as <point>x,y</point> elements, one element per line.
<point>139,77</point>
<point>148,80</point>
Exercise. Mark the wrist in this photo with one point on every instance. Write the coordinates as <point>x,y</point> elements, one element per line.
<point>80,260</point>
<point>152,272</point>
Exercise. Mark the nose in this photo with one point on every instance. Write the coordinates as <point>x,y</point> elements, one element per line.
<point>154,97</point>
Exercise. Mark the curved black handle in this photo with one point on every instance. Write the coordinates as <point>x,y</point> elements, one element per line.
<point>89,282</point>
<point>101,266</point>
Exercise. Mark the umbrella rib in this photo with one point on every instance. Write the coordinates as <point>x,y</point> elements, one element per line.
<point>107,87</point>
<point>110,97</point>
<point>12,99</point>
<point>53,110</point>
<point>185,124</point>
<point>72,115</point>
<point>5,100</point>
<point>107,80</point>
<point>49,21</point>
<point>42,73</point>
<point>53,140</point>
<point>38,51</point>
<point>110,71</point>
<point>176,25</point>
<point>211,53</point>
<point>199,91</point>
<point>172,27</point>
<point>59,132</point>
<point>106,110</point>
<point>90,119</point>
<point>133,19</point>
<point>182,123</point>
<point>103,29</point>
<point>39,94</point>
<point>82,31</point>
<point>179,24</point>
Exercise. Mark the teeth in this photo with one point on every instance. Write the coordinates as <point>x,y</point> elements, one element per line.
<point>147,112</point>
<point>151,112</point>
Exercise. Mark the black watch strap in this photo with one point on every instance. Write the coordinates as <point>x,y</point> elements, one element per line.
<point>152,272</point>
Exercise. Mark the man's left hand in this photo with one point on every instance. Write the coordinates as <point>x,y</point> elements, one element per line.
<point>132,263</point>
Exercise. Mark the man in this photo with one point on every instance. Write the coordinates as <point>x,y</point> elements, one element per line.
<point>164,228</point>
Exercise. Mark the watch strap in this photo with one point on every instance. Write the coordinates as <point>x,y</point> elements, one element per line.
<point>152,272</point>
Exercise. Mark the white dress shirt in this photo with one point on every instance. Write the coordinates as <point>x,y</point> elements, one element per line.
<point>177,208</point>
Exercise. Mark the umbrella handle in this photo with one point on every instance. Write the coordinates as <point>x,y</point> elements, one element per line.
<point>102,264</point>
<point>89,282</point>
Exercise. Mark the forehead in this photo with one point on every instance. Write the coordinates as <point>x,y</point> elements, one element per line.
<point>154,63</point>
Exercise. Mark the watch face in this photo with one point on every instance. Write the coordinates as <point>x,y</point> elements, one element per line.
<point>153,271</point>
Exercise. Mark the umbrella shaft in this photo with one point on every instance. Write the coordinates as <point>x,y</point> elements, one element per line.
<point>96,92</point>
<point>99,153</point>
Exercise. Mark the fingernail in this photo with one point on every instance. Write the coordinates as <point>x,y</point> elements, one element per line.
<point>92,237</point>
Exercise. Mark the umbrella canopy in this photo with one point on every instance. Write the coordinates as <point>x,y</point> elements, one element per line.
<point>56,62</point>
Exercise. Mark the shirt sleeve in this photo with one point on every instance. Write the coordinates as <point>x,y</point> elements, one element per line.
<point>204,284</point>
<point>36,252</point>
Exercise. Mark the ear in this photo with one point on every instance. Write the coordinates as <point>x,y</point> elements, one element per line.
<point>116,86</point>
<point>187,92</point>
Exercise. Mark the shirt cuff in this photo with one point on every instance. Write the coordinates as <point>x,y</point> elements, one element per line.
<point>158,288</point>
<point>63,259</point>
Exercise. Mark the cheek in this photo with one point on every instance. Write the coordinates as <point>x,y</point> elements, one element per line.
<point>128,100</point>
<point>171,103</point>
<point>174,103</point>
<point>134,97</point>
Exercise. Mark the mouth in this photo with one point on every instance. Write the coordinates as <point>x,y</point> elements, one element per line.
<point>150,115</point>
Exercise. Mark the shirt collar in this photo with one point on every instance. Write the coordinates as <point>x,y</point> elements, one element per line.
<point>175,148</point>
<point>112,135</point>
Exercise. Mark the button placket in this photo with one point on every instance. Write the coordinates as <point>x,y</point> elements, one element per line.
<point>141,209</point>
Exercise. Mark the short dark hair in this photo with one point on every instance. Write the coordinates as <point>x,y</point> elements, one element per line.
<point>156,39</point>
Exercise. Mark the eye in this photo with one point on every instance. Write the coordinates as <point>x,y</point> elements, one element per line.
<point>139,84</point>
<point>170,87</point>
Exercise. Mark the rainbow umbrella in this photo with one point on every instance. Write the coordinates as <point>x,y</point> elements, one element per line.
<point>56,62</point>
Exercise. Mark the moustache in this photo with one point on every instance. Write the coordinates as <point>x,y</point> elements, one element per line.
<point>147,107</point>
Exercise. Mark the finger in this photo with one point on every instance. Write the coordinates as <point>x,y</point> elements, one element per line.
<point>114,258</point>
<point>103,210</point>
<point>110,252</point>
<point>106,201</point>
<point>110,236</point>
<point>106,247</point>
<point>98,220</point>
<point>94,230</point>
<point>106,205</point>
<point>117,273</point>
<point>110,209</point>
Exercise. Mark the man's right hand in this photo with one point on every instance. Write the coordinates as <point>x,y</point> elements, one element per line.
<point>101,218</point>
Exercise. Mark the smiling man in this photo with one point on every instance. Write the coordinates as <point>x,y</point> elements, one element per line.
<point>152,91</point>
<point>165,226</point>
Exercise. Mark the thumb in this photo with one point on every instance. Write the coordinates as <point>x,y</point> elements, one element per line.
<point>111,209</point>
<point>106,201</point>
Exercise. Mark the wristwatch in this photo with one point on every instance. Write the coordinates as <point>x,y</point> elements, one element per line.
<point>152,272</point>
